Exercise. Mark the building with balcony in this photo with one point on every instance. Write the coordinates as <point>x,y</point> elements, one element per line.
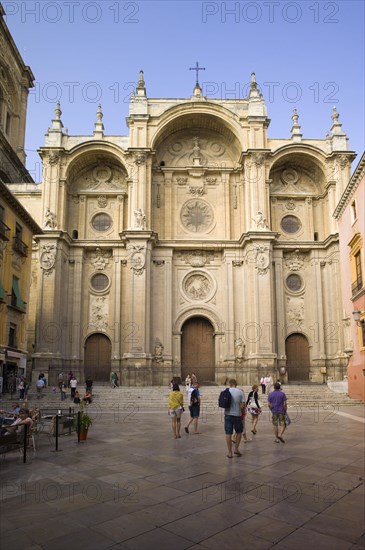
<point>16,225</point>
<point>350,213</point>
<point>17,228</point>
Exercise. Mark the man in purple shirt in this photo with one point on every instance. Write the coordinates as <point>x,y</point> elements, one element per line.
<point>277,405</point>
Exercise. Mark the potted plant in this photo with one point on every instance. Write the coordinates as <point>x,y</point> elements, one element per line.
<point>84,423</point>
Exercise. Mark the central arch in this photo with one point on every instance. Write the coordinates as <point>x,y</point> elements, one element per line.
<point>197,349</point>
<point>97,360</point>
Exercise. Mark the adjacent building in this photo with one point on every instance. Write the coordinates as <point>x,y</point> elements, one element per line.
<point>350,213</point>
<point>16,225</point>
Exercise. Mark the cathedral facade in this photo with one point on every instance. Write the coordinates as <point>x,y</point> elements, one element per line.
<point>194,243</point>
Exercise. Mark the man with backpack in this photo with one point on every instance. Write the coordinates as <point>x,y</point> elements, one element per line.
<point>194,408</point>
<point>233,416</point>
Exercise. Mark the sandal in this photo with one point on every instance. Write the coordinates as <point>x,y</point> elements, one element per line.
<point>229,456</point>
<point>281,439</point>
<point>237,453</point>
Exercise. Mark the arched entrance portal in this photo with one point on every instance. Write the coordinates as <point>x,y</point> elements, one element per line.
<point>297,357</point>
<point>197,349</point>
<point>97,362</point>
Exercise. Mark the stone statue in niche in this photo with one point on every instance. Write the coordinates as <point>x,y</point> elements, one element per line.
<point>140,219</point>
<point>239,348</point>
<point>158,350</point>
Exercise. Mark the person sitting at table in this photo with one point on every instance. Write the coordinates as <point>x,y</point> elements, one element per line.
<point>7,417</point>
<point>87,397</point>
<point>18,425</point>
<point>77,398</point>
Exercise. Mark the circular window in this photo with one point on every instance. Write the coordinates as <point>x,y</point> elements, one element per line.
<point>290,224</point>
<point>294,282</point>
<point>101,222</point>
<point>99,282</point>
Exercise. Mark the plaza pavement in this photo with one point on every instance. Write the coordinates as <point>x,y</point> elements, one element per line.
<point>131,485</point>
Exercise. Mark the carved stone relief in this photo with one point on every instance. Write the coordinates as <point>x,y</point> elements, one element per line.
<point>294,260</point>
<point>197,216</point>
<point>295,310</point>
<point>197,258</point>
<point>262,260</point>
<point>197,286</point>
<point>138,258</point>
<point>48,258</point>
<point>102,177</point>
<point>98,315</point>
<point>99,259</point>
<point>199,150</point>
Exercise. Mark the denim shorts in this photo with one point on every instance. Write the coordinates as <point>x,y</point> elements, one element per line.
<point>231,422</point>
<point>194,411</point>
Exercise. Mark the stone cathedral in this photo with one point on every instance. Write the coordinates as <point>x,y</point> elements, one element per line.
<point>194,243</point>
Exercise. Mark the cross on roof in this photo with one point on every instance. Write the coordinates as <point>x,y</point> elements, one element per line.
<point>197,69</point>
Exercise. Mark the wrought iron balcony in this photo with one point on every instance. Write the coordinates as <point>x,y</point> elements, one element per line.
<point>4,231</point>
<point>356,285</point>
<point>20,247</point>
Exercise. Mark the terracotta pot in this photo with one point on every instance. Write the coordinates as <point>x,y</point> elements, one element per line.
<point>83,435</point>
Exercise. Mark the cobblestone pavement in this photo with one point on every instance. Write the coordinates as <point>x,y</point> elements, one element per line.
<point>131,485</point>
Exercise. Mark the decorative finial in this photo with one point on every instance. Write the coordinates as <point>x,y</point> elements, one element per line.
<point>253,82</point>
<point>335,115</point>
<point>295,130</point>
<point>141,83</point>
<point>99,114</point>
<point>58,111</point>
<point>336,126</point>
<point>99,126</point>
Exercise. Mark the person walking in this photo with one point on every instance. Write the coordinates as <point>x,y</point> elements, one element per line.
<point>188,383</point>
<point>21,388</point>
<point>40,386</point>
<point>254,407</point>
<point>278,406</point>
<point>194,408</point>
<point>73,386</point>
<point>268,382</point>
<point>233,418</point>
<point>114,380</point>
<point>263,387</point>
<point>176,408</point>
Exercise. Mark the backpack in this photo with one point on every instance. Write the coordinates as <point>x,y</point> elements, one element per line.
<point>225,399</point>
<point>39,384</point>
<point>194,399</point>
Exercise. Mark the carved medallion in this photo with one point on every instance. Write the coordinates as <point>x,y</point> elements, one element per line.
<point>197,286</point>
<point>48,259</point>
<point>289,176</point>
<point>197,216</point>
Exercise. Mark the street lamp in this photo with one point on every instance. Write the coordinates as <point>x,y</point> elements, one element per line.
<point>357,317</point>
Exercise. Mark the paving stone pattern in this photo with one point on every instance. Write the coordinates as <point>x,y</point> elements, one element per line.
<point>131,485</point>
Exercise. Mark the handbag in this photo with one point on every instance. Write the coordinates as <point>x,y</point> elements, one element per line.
<point>287,420</point>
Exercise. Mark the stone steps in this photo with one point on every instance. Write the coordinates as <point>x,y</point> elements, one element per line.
<point>156,397</point>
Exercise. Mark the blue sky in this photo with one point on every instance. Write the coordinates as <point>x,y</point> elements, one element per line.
<point>306,54</point>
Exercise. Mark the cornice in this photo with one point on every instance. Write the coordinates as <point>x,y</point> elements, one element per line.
<point>351,187</point>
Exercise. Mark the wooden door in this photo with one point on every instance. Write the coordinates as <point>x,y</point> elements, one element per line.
<point>297,357</point>
<point>97,361</point>
<point>197,349</point>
